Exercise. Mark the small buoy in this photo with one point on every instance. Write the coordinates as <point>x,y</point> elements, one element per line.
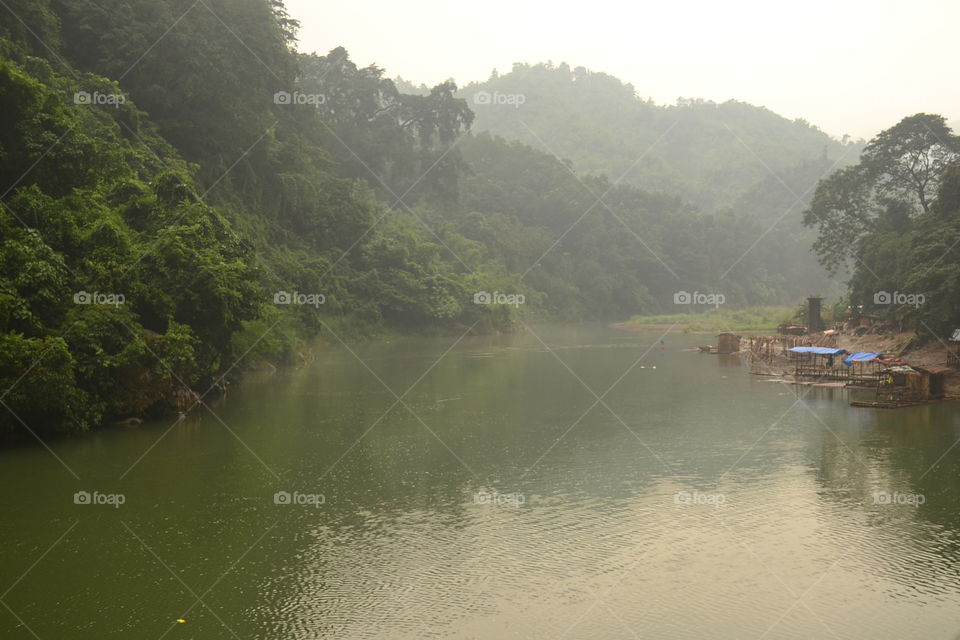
<point>181,620</point>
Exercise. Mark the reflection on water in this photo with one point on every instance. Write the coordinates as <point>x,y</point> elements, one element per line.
<point>514,491</point>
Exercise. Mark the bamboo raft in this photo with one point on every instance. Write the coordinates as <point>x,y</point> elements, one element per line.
<point>896,404</point>
<point>881,404</point>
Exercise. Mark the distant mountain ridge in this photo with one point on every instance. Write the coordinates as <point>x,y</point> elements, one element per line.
<point>708,153</point>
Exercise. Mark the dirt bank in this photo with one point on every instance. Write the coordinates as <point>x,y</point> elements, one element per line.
<point>897,345</point>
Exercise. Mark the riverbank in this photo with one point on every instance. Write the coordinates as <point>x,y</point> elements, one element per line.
<point>715,320</point>
<point>906,346</point>
<point>899,345</point>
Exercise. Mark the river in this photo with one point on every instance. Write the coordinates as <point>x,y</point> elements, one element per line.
<point>561,482</point>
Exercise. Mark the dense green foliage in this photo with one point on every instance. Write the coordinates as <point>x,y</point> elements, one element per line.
<point>894,220</point>
<point>116,283</point>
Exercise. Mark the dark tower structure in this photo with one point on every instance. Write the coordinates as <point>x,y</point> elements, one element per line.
<point>814,321</point>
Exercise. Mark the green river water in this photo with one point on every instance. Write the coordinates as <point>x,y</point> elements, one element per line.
<point>498,498</point>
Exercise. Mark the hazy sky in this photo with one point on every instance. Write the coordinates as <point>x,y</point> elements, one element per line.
<point>847,66</point>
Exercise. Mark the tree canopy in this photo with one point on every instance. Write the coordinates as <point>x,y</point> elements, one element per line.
<point>892,219</point>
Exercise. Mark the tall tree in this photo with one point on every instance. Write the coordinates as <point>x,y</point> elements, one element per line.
<point>899,170</point>
<point>907,160</point>
<point>401,144</point>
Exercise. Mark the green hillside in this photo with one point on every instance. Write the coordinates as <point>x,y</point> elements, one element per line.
<point>708,153</point>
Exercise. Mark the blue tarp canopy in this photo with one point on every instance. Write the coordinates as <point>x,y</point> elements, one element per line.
<point>823,351</point>
<point>860,356</point>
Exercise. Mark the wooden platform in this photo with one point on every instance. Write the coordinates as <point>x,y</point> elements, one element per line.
<point>885,405</point>
<point>896,404</point>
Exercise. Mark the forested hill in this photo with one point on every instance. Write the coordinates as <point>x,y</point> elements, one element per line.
<point>710,154</point>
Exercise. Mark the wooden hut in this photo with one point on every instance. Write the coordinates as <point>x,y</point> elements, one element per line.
<point>897,386</point>
<point>791,329</point>
<point>932,384</point>
<point>953,348</point>
<point>728,343</point>
<point>906,386</point>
